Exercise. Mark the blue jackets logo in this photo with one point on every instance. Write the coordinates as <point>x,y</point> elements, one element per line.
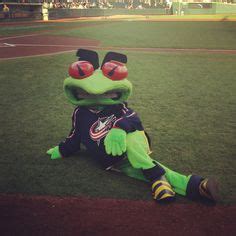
<point>101,127</point>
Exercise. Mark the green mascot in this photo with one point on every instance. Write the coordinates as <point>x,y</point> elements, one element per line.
<point>113,133</point>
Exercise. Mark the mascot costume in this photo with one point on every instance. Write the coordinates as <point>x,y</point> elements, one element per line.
<point>113,133</point>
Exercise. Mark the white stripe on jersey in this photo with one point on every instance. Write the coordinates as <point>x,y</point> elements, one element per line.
<point>132,114</point>
<point>124,107</point>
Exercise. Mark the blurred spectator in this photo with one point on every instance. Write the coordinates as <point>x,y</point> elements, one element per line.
<point>168,4</point>
<point>140,6</point>
<point>80,6</point>
<point>130,6</point>
<point>168,7</point>
<point>6,11</point>
<point>50,5</point>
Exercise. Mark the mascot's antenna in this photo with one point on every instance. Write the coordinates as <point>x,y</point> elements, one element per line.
<point>88,55</point>
<point>115,57</point>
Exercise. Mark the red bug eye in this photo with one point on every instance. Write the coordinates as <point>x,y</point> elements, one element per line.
<point>115,70</point>
<point>81,69</point>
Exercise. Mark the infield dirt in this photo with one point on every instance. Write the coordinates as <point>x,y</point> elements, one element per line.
<point>38,44</point>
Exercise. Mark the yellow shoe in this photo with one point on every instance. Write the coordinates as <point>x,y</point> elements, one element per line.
<point>162,191</point>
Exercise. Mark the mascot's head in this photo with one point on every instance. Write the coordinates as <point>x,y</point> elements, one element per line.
<point>91,85</point>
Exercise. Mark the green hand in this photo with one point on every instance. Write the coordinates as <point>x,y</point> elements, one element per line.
<point>54,152</point>
<point>115,142</point>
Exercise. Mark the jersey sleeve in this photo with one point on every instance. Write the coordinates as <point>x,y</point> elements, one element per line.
<point>129,121</point>
<point>72,143</point>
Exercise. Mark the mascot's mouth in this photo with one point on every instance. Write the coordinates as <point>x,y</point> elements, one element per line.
<point>81,94</point>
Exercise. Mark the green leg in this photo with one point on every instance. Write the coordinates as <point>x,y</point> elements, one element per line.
<point>138,159</point>
<point>178,181</point>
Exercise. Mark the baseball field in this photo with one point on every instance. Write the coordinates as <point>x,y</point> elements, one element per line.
<point>183,73</point>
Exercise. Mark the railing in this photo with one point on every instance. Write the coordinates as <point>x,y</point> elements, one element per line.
<point>21,1</point>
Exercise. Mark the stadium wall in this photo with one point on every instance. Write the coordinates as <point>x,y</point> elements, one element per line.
<point>225,8</point>
<point>203,8</point>
<point>34,10</point>
<point>64,13</point>
<point>177,9</point>
<point>23,10</point>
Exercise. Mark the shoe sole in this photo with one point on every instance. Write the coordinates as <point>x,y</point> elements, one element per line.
<point>213,189</point>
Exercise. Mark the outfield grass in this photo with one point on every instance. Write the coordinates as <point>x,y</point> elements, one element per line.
<point>220,17</point>
<point>39,27</point>
<point>186,102</point>
<point>212,35</point>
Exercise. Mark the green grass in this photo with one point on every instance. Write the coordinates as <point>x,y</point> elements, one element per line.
<point>24,29</point>
<point>40,27</point>
<point>211,35</point>
<point>220,17</point>
<point>186,102</point>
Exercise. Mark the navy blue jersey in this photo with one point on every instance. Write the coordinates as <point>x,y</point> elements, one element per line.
<point>90,127</point>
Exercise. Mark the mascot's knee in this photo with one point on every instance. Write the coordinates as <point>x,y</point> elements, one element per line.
<point>137,140</point>
<point>132,139</point>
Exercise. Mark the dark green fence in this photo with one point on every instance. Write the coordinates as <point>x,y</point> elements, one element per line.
<point>178,8</point>
<point>33,10</point>
<point>22,10</point>
<point>63,13</point>
<point>203,8</point>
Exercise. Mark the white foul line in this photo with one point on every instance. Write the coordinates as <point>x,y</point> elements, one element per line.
<point>19,36</point>
<point>194,50</point>
<point>10,45</point>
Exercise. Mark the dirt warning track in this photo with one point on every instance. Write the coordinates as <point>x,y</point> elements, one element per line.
<point>47,215</point>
